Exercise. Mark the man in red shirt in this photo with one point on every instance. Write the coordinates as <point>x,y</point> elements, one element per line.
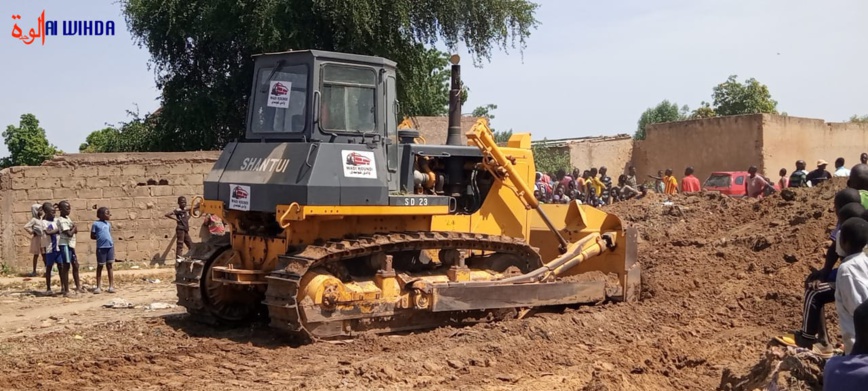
<point>690,183</point>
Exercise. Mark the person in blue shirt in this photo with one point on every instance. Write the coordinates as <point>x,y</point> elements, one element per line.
<point>100,231</point>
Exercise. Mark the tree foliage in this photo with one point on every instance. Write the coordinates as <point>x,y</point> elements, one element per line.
<point>750,97</point>
<point>703,111</point>
<point>665,111</point>
<point>502,137</point>
<point>201,50</point>
<point>549,158</point>
<point>132,136</point>
<point>485,111</point>
<point>859,119</point>
<point>27,143</point>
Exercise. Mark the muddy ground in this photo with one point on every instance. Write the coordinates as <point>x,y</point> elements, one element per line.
<point>721,278</point>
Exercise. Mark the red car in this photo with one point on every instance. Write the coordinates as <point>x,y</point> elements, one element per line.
<point>356,159</point>
<point>730,183</point>
<point>279,89</point>
<point>240,193</point>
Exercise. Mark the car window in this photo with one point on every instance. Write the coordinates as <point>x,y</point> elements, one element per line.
<point>718,180</point>
<point>739,180</point>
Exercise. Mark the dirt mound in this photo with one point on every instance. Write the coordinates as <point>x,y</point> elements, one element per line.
<point>781,368</point>
<point>721,277</point>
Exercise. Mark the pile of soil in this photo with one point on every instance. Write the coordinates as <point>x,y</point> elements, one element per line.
<point>721,278</point>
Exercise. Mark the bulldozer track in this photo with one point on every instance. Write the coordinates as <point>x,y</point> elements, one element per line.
<point>283,282</point>
<point>188,280</point>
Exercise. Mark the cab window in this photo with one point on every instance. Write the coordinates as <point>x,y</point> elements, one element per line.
<point>348,99</point>
<point>280,99</point>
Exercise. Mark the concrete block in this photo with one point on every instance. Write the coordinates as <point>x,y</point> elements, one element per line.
<point>61,172</point>
<point>119,203</point>
<point>141,191</point>
<point>86,171</point>
<point>35,172</point>
<point>74,182</point>
<point>23,183</point>
<point>160,191</point>
<point>190,180</point>
<point>22,206</point>
<point>18,195</point>
<point>97,182</point>
<point>62,193</point>
<point>21,218</point>
<point>108,171</point>
<point>41,194</point>
<point>157,171</point>
<point>133,170</point>
<point>123,181</point>
<point>116,192</point>
<point>180,169</point>
<point>90,193</point>
<point>188,191</point>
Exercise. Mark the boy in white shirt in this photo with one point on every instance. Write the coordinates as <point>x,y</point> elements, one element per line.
<point>852,279</point>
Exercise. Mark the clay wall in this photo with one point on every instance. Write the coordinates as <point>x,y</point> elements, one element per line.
<point>787,139</point>
<point>714,144</point>
<point>139,188</point>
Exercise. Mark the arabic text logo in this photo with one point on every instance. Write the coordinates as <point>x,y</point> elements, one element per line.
<point>68,28</point>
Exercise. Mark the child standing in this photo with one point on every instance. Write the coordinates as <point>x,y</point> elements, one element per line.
<point>181,215</point>
<point>52,249</point>
<point>105,248</point>
<point>67,243</point>
<point>36,229</point>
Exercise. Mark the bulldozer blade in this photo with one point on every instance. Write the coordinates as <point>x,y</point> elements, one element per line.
<point>458,297</point>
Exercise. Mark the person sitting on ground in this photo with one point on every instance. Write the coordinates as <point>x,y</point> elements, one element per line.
<point>840,170</point>
<point>851,283</point>
<point>755,186</point>
<point>783,183</point>
<point>618,192</point>
<point>850,372</point>
<point>560,197</point>
<point>820,284</point>
<point>631,187</point>
<point>643,192</point>
<point>799,178</point>
<point>820,174</point>
<point>36,228</point>
<point>690,183</point>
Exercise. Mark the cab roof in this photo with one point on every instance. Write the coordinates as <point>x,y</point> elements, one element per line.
<point>347,57</point>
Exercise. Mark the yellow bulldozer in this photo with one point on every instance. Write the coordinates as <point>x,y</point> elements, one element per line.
<point>341,222</point>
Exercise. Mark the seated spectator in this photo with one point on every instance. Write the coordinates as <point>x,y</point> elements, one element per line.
<point>820,285</point>
<point>851,283</point>
<point>559,196</point>
<point>840,170</point>
<point>643,192</point>
<point>820,174</point>
<point>631,187</point>
<point>850,372</point>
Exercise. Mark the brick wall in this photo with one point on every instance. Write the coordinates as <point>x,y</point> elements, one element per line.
<point>139,188</point>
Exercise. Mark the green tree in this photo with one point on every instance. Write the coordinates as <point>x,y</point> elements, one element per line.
<point>27,143</point>
<point>703,111</point>
<point>502,137</point>
<point>485,111</point>
<point>750,97</point>
<point>550,158</point>
<point>859,119</point>
<point>665,111</point>
<point>201,50</point>
<point>133,136</point>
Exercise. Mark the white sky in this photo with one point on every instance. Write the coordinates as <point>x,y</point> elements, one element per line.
<point>591,68</point>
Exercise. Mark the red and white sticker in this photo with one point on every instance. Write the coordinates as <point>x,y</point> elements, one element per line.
<point>278,94</point>
<point>359,164</point>
<point>239,197</point>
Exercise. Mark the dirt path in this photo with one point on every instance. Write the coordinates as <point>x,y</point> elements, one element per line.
<point>720,281</point>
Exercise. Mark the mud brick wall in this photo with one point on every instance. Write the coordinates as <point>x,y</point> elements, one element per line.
<point>139,188</point>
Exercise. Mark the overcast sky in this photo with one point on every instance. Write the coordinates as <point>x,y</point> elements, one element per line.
<point>590,68</point>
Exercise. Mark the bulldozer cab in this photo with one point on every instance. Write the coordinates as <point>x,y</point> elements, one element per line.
<point>317,96</point>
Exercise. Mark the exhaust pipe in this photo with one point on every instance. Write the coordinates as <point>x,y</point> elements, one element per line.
<point>453,137</point>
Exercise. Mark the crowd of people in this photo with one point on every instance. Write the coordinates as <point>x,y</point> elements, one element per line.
<point>596,188</point>
<point>53,238</point>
